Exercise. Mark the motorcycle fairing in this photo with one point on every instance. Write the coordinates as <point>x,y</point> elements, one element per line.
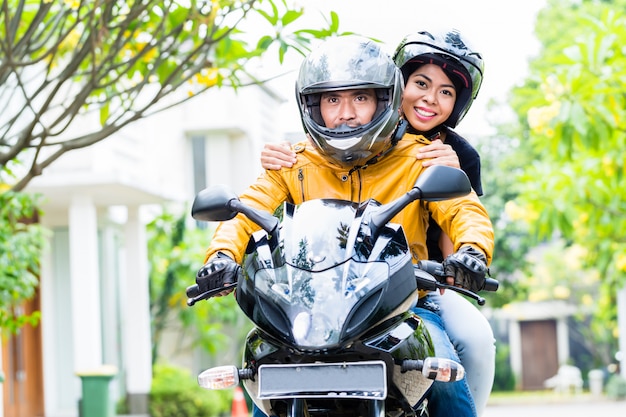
<point>323,291</point>
<point>404,337</point>
<point>391,341</point>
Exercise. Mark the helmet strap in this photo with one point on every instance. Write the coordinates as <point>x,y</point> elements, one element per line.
<point>431,135</point>
<point>399,132</point>
<point>369,162</point>
<point>397,135</point>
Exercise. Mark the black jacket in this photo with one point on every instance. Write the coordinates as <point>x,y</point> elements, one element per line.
<point>470,164</point>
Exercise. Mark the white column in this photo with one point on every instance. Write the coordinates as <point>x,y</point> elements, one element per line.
<point>137,334</point>
<point>84,277</point>
<point>621,324</point>
<point>562,341</point>
<point>515,346</point>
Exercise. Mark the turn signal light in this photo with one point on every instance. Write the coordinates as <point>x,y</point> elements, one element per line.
<point>220,377</point>
<point>445,370</point>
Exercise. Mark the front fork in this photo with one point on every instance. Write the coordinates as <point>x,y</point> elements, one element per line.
<point>298,408</point>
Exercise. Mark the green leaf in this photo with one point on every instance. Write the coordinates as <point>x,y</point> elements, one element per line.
<point>290,16</point>
<point>104,114</point>
<point>264,42</point>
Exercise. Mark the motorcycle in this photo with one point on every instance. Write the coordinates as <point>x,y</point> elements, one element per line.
<point>329,285</point>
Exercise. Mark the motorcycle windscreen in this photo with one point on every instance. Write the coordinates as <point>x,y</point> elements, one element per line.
<point>318,304</point>
<point>313,235</point>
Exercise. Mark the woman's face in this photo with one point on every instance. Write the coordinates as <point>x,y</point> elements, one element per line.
<point>428,98</point>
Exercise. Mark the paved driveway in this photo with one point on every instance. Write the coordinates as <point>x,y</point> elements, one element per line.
<point>587,408</point>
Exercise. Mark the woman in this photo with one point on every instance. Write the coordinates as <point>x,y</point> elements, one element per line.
<point>442,76</point>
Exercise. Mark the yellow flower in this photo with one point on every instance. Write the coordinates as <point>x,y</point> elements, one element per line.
<point>552,88</point>
<point>513,210</point>
<point>583,218</point>
<point>215,7</point>
<point>574,256</point>
<point>74,4</point>
<point>608,166</point>
<point>207,77</point>
<point>586,300</point>
<point>69,42</point>
<point>620,262</point>
<point>539,118</point>
<point>516,212</point>
<point>150,55</point>
<point>616,110</point>
<point>538,295</point>
<point>162,265</point>
<point>561,292</point>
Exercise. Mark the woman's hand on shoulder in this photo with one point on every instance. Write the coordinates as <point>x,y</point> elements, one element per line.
<point>275,156</point>
<point>438,153</point>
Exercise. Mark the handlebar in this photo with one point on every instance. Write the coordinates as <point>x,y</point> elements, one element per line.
<point>194,294</point>
<point>430,276</point>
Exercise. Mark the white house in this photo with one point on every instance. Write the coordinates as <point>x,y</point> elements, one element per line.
<point>94,282</point>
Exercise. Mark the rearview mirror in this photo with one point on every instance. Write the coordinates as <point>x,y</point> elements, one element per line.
<point>441,182</point>
<point>211,204</point>
<point>218,203</point>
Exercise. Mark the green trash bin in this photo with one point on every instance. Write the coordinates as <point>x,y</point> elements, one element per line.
<point>96,396</point>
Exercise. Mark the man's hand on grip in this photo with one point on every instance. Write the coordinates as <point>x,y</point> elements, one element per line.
<point>219,271</point>
<point>468,268</point>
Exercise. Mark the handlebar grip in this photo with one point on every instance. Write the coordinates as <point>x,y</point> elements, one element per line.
<point>491,284</point>
<point>193,291</point>
<point>432,267</point>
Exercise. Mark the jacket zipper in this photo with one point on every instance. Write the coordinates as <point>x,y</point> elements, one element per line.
<point>359,185</point>
<point>301,179</point>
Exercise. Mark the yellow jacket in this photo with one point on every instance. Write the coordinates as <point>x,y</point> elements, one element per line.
<point>464,219</point>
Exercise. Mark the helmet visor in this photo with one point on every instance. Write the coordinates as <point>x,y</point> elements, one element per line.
<point>329,70</point>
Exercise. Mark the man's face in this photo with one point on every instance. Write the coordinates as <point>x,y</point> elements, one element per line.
<point>348,107</point>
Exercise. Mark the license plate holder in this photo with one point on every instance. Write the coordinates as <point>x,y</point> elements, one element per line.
<point>360,380</point>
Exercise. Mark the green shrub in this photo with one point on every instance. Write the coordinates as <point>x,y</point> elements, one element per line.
<point>504,379</point>
<point>616,387</point>
<point>121,407</point>
<point>176,393</point>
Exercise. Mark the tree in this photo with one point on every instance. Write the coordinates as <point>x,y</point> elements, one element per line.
<point>121,61</point>
<point>20,246</point>
<point>174,249</point>
<point>115,62</point>
<point>512,239</point>
<point>573,109</point>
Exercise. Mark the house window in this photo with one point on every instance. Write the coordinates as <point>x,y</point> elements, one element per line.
<point>198,155</point>
<point>198,158</point>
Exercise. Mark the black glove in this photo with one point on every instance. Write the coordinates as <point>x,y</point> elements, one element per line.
<point>468,267</point>
<point>217,272</point>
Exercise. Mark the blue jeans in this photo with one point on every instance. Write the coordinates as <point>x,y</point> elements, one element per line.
<point>472,337</point>
<point>446,398</point>
<point>256,411</point>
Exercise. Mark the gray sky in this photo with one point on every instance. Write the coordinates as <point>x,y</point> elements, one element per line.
<point>501,30</point>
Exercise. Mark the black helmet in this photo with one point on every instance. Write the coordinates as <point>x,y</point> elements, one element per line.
<point>348,63</point>
<point>449,50</point>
